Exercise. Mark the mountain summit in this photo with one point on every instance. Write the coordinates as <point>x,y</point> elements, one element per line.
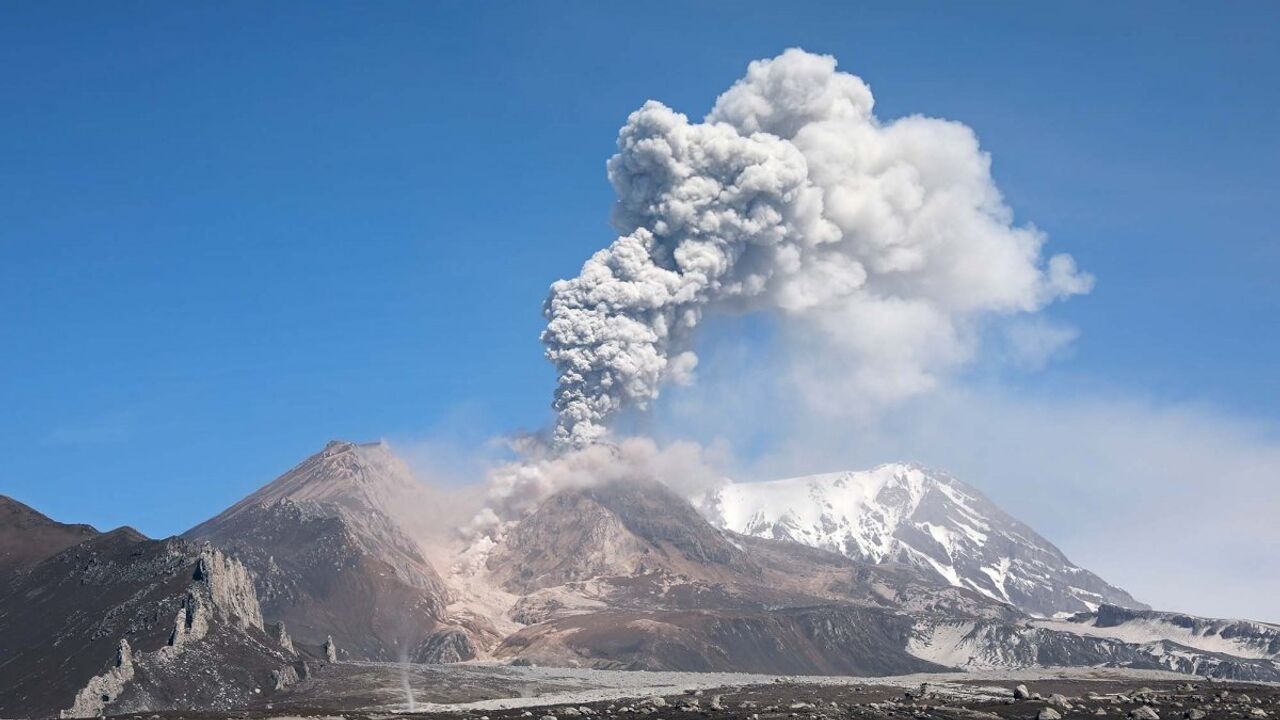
<point>332,554</point>
<point>908,514</point>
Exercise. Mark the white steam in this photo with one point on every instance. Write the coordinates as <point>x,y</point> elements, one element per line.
<point>884,241</point>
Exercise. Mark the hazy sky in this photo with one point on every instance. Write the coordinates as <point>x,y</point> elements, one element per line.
<point>230,232</point>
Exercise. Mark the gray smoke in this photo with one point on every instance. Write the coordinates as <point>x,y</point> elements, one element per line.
<point>884,240</point>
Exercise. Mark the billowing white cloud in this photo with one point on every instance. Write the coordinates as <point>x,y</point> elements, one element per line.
<point>884,242</point>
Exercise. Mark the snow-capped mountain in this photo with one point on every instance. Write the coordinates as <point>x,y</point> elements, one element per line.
<point>908,514</point>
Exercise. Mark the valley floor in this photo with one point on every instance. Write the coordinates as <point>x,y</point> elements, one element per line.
<point>477,691</point>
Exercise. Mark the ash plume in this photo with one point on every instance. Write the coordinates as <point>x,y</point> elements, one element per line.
<point>886,241</point>
<point>515,489</point>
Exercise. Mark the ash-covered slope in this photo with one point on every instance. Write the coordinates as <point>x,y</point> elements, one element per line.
<point>27,536</point>
<point>910,515</point>
<point>120,623</point>
<point>331,554</point>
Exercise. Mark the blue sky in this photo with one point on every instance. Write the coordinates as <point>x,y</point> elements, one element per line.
<point>232,231</point>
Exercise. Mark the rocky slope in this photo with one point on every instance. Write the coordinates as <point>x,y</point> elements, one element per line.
<point>119,623</point>
<point>929,520</point>
<point>328,546</point>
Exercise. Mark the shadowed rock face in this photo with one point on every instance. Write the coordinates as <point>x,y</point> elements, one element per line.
<point>330,557</point>
<point>27,537</point>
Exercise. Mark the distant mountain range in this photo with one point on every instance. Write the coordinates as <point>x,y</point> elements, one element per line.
<point>348,557</point>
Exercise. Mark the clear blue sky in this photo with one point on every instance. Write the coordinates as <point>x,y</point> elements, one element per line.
<point>231,231</point>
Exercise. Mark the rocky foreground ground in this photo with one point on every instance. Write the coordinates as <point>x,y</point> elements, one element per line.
<point>951,696</point>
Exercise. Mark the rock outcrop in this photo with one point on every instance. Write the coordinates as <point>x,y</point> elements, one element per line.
<point>278,633</point>
<point>102,689</point>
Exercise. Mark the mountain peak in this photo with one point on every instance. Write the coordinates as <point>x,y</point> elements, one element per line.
<point>28,536</point>
<point>358,476</point>
<point>332,545</point>
<point>907,513</point>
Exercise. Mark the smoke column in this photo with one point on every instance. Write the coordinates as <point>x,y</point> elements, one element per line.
<point>791,197</point>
